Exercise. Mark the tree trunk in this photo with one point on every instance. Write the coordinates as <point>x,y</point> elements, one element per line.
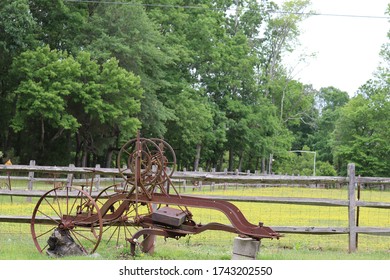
<point>220,163</point>
<point>197,156</point>
<point>271,156</point>
<point>42,135</point>
<point>230,167</point>
<point>109,154</point>
<point>240,160</point>
<point>79,144</point>
<point>84,157</point>
<point>263,170</point>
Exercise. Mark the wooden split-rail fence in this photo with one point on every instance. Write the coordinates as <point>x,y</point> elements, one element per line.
<point>97,175</point>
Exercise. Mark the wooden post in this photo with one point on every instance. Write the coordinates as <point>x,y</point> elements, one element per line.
<point>212,186</point>
<point>352,208</point>
<point>30,180</point>
<point>358,210</point>
<point>69,178</point>
<point>184,181</point>
<point>31,176</point>
<point>97,178</point>
<point>200,183</point>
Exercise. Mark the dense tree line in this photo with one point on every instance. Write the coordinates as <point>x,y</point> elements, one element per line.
<point>79,78</point>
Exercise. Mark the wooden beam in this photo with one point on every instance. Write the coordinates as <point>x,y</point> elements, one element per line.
<point>194,176</point>
<point>280,200</point>
<point>310,230</point>
<point>280,229</point>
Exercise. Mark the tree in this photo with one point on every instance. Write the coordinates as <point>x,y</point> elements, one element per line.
<point>212,80</point>
<point>211,64</point>
<point>59,96</point>
<point>362,130</point>
<point>361,135</point>
<point>189,129</point>
<point>329,101</point>
<point>17,34</point>
<point>280,37</point>
<point>60,23</point>
<point>126,33</point>
<point>268,136</point>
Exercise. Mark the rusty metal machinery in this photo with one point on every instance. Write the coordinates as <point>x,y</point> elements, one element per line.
<point>144,205</point>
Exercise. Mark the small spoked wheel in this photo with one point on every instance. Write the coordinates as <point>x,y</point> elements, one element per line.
<point>67,211</point>
<point>168,160</point>
<point>142,156</point>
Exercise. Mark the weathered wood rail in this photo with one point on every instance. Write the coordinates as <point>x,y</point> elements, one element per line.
<point>351,202</point>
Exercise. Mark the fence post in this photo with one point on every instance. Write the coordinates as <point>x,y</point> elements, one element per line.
<point>69,178</point>
<point>212,186</point>
<point>97,177</point>
<point>30,180</point>
<point>352,208</point>
<point>184,180</point>
<point>200,184</point>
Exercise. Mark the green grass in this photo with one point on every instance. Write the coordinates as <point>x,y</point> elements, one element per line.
<point>21,248</point>
<point>16,241</point>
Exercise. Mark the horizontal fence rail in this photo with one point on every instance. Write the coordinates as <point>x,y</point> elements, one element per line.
<point>96,175</point>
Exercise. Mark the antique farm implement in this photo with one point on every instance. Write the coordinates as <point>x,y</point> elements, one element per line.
<point>143,205</point>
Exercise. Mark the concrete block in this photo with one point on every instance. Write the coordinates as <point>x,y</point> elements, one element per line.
<point>245,248</point>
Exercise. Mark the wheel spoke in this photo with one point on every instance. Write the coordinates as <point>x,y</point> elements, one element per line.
<point>52,207</point>
<point>116,228</point>
<point>58,202</point>
<point>118,235</point>
<point>46,232</point>
<point>74,203</point>
<point>77,232</point>
<point>48,216</point>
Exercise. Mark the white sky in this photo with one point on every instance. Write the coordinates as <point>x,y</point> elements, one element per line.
<point>346,48</point>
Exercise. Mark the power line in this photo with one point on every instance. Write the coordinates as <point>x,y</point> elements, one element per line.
<point>332,15</point>
<point>211,8</point>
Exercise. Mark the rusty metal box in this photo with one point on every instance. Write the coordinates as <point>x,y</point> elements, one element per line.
<point>169,216</point>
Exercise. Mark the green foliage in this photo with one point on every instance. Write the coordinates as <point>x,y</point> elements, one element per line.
<point>60,23</point>
<point>62,94</point>
<point>17,27</point>
<point>329,101</point>
<point>303,162</point>
<point>126,33</point>
<point>325,169</point>
<point>192,124</point>
<point>362,130</point>
<point>78,79</point>
<point>361,134</point>
<point>296,163</point>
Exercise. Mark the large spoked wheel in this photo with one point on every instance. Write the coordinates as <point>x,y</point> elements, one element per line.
<point>121,219</point>
<point>144,153</point>
<point>69,210</point>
